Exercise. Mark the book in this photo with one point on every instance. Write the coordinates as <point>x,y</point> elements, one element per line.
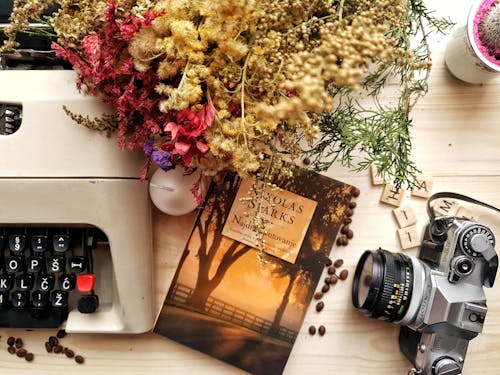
<point>232,304</point>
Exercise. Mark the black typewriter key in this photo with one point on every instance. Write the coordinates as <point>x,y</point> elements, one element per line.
<point>67,282</point>
<point>77,264</point>
<point>34,264</point>
<point>88,304</point>
<point>59,298</point>
<point>17,242</point>
<point>13,264</point>
<point>4,299</point>
<point>55,264</point>
<point>39,243</point>
<point>24,282</point>
<point>45,282</point>
<point>40,299</point>
<point>60,242</point>
<point>5,283</point>
<point>19,299</point>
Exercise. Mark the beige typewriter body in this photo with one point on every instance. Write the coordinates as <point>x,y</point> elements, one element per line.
<point>54,171</point>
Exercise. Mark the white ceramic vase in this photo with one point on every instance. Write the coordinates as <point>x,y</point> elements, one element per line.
<point>463,56</point>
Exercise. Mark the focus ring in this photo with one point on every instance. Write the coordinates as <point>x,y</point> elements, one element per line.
<point>387,288</point>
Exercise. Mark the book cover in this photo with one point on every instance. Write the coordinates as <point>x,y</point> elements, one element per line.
<point>247,310</point>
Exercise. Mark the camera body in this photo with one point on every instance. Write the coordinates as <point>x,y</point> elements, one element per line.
<point>437,297</point>
<point>457,259</point>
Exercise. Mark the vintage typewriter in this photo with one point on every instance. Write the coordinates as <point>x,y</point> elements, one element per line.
<point>75,219</point>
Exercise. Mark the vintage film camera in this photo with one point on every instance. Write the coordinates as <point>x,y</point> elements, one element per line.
<point>437,297</point>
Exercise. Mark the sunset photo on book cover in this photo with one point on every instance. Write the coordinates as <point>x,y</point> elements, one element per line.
<point>225,301</point>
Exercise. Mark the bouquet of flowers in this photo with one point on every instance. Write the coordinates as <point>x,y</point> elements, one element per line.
<point>245,85</point>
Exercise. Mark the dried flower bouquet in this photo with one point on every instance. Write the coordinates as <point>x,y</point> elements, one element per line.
<point>220,85</point>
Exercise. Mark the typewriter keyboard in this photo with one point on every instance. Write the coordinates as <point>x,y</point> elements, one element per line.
<point>45,272</point>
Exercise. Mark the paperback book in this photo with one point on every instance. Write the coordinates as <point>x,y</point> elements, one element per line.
<point>230,303</point>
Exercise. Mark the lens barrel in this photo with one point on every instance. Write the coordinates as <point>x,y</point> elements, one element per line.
<point>383,284</point>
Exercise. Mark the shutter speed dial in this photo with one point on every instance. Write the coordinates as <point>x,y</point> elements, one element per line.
<point>476,239</point>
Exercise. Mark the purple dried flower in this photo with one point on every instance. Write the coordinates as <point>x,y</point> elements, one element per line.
<point>162,159</point>
<point>148,147</point>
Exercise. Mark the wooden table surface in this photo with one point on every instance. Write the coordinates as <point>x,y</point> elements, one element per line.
<point>456,142</point>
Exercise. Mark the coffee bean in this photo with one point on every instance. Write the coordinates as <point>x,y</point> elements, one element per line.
<point>343,274</point>
<point>356,192</point>
<point>349,212</point>
<point>327,280</point>
<point>318,295</point>
<point>11,349</point>
<point>61,333</point>
<point>11,341</point>
<point>53,340</point>
<point>328,262</point>
<point>338,263</point>
<point>312,330</point>
<point>306,161</point>
<point>79,359</point>
<point>347,221</point>
<point>48,347</point>
<point>29,357</point>
<point>58,349</point>
<point>342,241</point>
<point>321,330</point>
<point>325,288</point>
<point>69,353</point>
<point>333,280</point>
<point>21,353</point>
<point>352,205</point>
<point>350,234</point>
<point>331,270</point>
<point>19,343</point>
<point>344,229</point>
<point>320,305</point>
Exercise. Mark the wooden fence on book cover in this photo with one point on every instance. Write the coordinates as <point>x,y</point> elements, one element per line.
<point>219,309</point>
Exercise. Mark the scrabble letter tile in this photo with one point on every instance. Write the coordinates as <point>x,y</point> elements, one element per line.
<point>391,195</point>
<point>445,207</point>
<point>405,216</point>
<point>408,237</point>
<point>376,179</point>
<point>423,188</point>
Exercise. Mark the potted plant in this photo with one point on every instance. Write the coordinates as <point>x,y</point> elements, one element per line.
<point>473,52</point>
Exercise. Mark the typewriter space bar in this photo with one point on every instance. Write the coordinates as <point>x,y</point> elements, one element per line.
<point>33,317</point>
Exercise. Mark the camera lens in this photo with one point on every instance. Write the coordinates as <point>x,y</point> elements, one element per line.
<point>383,284</point>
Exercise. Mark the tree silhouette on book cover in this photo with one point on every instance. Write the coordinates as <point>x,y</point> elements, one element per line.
<point>224,301</point>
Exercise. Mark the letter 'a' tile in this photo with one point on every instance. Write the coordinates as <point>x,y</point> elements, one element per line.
<point>423,188</point>
<point>408,237</point>
<point>405,216</point>
<point>392,195</point>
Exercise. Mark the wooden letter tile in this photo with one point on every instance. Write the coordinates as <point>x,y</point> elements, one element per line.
<point>423,188</point>
<point>376,180</point>
<point>408,237</point>
<point>405,216</point>
<point>391,195</point>
<point>445,207</point>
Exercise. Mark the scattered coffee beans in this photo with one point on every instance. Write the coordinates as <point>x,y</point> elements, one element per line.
<point>61,333</point>
<point>321,330</point>
<point>343,275</point>
<point>79,359</point>
<point>356,192</point>
<point>306,161</point>
<point>29,357</point>
<point>11,350</point>
<point>342,241</point>
<point>18,343</point>
<point>347,221</point>
<point>11,341</point>
<point>48,347</point>
<point>328,262</point>
<point>350,234</point>
<point>312,330</point>
<point>318,295</point>
<point>53,340</point>
<point>344,229</point>
<point>21,353</point>
<point>331,270</point>
<point>69,353</point>
<point>333,279</point>
<point>349,212</point>
<point>327,280</point>
<point>352,205</point>
<point>325,288</point>
<point>58,349</point>
<point>320,305</point>
<point>338,263</point>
